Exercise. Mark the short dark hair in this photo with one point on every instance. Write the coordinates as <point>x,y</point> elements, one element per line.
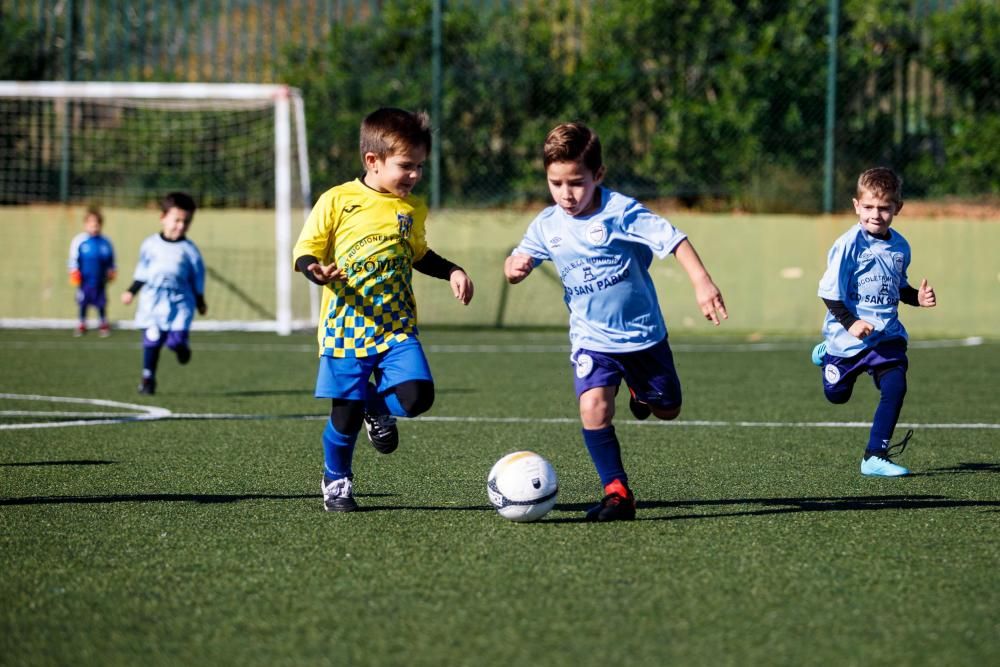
<point>570,142</point>
<point>96,212</point>
<point>881,182</point>
<point>181,200</point>
<point>388,131</point>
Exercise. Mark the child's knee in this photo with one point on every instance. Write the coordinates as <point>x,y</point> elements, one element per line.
<point>415,397</point>
<point>838,396</point>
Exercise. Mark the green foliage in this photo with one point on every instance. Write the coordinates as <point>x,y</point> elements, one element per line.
<point>23,56</point>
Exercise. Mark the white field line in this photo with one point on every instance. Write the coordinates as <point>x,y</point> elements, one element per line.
<point>484,348</point>
<point>150,413</point>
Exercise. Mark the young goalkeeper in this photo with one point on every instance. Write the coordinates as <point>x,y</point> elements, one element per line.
<point>91,268</point>
<point>170,281</point>
<point>361,242</point>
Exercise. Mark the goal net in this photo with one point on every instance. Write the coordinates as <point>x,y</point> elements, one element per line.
<point>238,149</point>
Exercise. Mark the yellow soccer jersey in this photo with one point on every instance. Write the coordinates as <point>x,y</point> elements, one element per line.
<point>374,238</point>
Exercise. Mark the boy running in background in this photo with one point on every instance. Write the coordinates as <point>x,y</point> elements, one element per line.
<point>864,282</point>
<point>170,281</point>
<point>91,268</point>
<point>602,244</point>
<point>362,241</point>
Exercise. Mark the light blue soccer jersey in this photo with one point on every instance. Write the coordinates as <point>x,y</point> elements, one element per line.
<point>866,273</point>
<point>174,274</point>
<point>603,261</point>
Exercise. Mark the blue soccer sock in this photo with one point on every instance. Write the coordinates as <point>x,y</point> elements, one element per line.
<point>150,360</point>
<point>892,384</point>
<point>606,453</point>
<point>338,452</point>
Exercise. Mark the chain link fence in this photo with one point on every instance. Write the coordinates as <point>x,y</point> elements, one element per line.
<point>715,104</point>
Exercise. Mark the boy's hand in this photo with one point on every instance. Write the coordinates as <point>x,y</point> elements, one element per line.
<point>861,329</point>
<point>112,274</point>
<point>710,300</point>
<point>925,295</point>
<point>517,267</point>
<point>202,308</point>
<point>325,274</point>
<point>75,278</point>
<point>461,286</point>
<point>127,297</point>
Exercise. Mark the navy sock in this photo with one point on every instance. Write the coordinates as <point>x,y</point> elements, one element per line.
<point>892,384</point>
<point>606,453</point>
<point>150,359</point>
<point>338,452</point>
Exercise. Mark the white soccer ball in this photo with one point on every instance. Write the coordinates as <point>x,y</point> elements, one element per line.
<point>522,486</point>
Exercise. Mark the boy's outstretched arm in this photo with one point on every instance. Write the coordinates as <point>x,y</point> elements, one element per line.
<point>517,267</point>
<point>436,266</point>
<point>708,295</point>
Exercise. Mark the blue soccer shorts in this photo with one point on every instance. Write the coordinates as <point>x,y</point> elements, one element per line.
<point>347,377</point>
<point>649,373</point>
<point>840,373</point>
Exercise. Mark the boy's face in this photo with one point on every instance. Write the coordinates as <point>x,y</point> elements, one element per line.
<point>175,223</point>
<point>875,212</point>
<point>92,225</point>
<point>573,186</point>
<point>397,174</point>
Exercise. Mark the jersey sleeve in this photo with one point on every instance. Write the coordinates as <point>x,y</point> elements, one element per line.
<point>533,243</point>
<point>142,273</point>
<point>830,283</point>
<point>418,239</point>
<point>198,277</point>
<point>316,237</point>
<point>651,230</point>
<point>74,252</point>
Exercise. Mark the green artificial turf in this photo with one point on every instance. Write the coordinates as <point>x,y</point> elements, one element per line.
<point>199,537</point>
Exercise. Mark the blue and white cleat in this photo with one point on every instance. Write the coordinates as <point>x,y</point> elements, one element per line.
<point>877,466</point>
<point>818,352</point>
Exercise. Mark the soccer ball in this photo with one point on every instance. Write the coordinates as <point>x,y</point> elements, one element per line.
<point>522,486</point>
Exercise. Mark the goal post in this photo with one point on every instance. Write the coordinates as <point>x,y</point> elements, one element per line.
<point>239,149</point>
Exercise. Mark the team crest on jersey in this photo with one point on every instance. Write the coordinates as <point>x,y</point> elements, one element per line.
<point>832,374</point>
<point>405,221</point>
<point>597,233</point>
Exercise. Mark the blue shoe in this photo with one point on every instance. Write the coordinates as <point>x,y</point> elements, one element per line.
<point>877,466</point>
<point>818,352</point>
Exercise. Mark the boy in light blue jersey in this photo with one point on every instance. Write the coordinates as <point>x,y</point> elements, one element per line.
<point>91,268</point>
<point>602,244</point>
<point>170,281</point>
<point>864,282</point>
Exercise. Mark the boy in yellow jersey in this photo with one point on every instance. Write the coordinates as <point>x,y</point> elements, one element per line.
<point>361,242</point>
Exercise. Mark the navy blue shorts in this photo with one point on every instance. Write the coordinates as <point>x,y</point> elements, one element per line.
<point>840,373</point>
<point>649,373</point>
<point>153,337</point>
<point>91,295</point>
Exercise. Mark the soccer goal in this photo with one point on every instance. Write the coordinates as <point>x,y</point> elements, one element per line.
<point>239,149</point>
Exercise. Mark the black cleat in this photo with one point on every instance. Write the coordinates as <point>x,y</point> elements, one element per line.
<point>183,355</point>
<point>382,432</point>
<point>617,505</point>
<point>639,410</point>
<point>147,386</point>
<point>338,495</point>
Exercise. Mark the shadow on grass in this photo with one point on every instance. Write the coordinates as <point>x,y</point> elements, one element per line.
<point>773,506</point>
<point>205,498</point>
<point>964,468</point>
<point>28,464</point>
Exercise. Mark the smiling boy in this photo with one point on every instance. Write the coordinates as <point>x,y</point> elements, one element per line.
<point>361,242</point>
<point>602,244</point>
<point>864,282</point>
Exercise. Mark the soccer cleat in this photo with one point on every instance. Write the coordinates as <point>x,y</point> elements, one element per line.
<point>639,410</point>
<point>80,330</point>
<point>878,466</point>
<point>817,354</point>
<point>338,495</point>
<point>147,386</point>
<point>104,331</point>
<point>617,505</point>
<point>183,355</point>
<point>382,432</point>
